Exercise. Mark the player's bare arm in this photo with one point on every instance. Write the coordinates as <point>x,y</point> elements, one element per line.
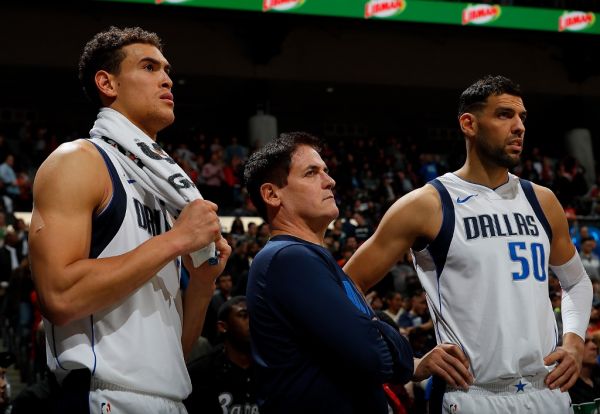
<point>562,248</point>
<point>199,293</point>
<point>70,187</point>
<point>416,215</point>
<point>570,354</point>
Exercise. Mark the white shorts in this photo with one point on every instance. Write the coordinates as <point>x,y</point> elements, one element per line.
<point>510,397</point>
<point>107,398</point>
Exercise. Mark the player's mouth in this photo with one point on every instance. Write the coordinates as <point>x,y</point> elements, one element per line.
<point>168,96</point>
<point>515,145</point>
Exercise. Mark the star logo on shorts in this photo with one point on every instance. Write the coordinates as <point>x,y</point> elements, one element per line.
<point>520,386</point>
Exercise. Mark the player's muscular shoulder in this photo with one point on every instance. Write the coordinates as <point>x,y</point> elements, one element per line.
<point>550,204</point>
<point>74,171</point>
<point>419,213</point>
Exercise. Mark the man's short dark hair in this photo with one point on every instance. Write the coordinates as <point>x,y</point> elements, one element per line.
<point>475,96</point>
<point>104,52</point>
<point>226,308</point>
<point>271,164</point>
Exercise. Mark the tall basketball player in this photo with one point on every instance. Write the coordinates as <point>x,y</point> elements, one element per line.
<point>482,240</point>
<point>105,254</point>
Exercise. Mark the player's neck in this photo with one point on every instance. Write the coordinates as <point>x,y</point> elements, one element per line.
<point>488,176</point>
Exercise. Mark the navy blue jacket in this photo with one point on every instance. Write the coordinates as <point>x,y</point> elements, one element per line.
<point>318,346</point>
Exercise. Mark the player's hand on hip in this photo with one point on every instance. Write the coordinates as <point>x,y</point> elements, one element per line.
<point>197,226</point>
<point>448,362</point>
<point>565,374</point>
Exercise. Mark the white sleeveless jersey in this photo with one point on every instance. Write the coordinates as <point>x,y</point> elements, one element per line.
<point>486,277</point>
<point>136,343</point>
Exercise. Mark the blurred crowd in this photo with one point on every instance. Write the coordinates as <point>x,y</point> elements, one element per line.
<point>370,173</point>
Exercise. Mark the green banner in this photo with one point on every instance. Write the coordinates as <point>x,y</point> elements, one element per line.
<point>421,11</point>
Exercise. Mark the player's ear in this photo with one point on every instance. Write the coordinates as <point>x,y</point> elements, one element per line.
<point>468,124</point>
<point>270,194</point>
<point>106,84</point>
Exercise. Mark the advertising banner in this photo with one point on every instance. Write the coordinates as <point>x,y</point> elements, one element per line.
<point>418,11</point>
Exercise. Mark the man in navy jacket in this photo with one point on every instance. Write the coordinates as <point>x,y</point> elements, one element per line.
<point>318,345</point>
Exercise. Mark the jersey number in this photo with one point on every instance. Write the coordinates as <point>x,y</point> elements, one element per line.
<point>518,253</point>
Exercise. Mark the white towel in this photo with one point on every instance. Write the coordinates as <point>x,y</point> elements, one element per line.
<point>149,164</point>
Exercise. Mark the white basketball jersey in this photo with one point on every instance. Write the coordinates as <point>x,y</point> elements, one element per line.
<point>136,343</point>
<point>486,277</point>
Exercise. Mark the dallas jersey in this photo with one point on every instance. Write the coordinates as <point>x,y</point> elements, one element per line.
<point>486,277</point>
<point>136,343</point>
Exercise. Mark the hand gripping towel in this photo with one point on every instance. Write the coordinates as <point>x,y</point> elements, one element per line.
<point>145,161</point>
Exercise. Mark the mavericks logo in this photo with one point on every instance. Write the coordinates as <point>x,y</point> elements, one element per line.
<point>282,5</point>
<point>480,13</point>
<point>575,21</point>
<point>384,8</point>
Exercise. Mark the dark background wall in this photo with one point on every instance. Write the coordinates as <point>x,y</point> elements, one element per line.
<point>331,76</point>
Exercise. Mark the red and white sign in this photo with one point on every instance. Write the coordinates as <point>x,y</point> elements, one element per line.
<point>575,21</point>
<point>384,8</point>
<point>480,13</point>
<point>281,5</point>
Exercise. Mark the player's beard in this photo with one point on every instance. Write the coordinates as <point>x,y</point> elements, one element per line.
<point>495,155</point>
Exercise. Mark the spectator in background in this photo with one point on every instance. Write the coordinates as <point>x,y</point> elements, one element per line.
<point>222,294</point>
<point>594,325</point>
<point>9,177</point>
<point>555,300</point>
<point>347,226</point>
<point>528,172</point>
<point>213,177</point>
<point>590,260</point>
<point>251,232</point>
<point>429,168</point>
<point>6,360</point>
<point>363,229</point>
<point>417,314</point>
<point>9,260</point>
<point>570,182</point>
<point>235,149</point>
<point>587,387</point>
<point>237,228</point>
<point>224,381</point>
<point>401,272</point>
<point>337,232</point>
<point>263,234</point>
<point>393,301</point>
<point>22,236</point>
<point>232,174</point>
<point>374,300</point>
<point>3,225</point>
